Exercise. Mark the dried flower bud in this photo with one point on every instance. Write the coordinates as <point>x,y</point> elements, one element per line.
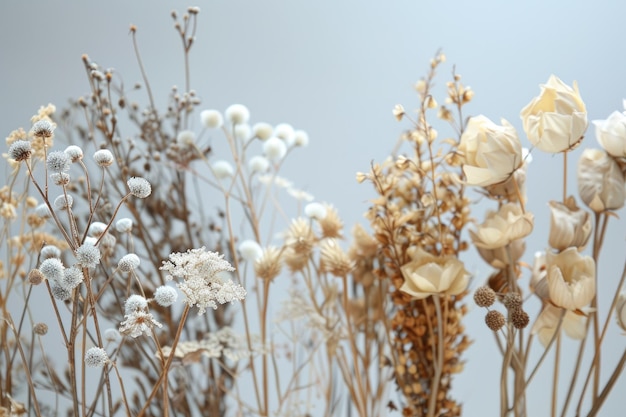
<point>165,295</point>
<point>58,161</point>
<point>334,259</point>
<point>258,163</point>
<point>211,119</point>
<point>128,262</point>
<point>331,224</point>
<point>301,138</point>
<point>398,112</point>
<point>600,181</point>
<point>512,301</point>
<point>75,153</point>
<point>88,255</point>
<point>237,113</point>
<point>20,150</point>
<point>285,132</point>
<point>242,131</point>
<point>268,266</point>
<point>519,318</point>
<point>52,269</point>
<point>569,225</point>
<point>426,275</point>
<point>103,157</point>
<point>275,149</point>
<point>135,302</point>
<point>35,277</point>
<point>499,257</point>
<point>250,250</point>
<point>611,134</point>
<point>63,202</point>
<point>262,130</point>
<point>495,320</point>
<point>124,225</point>
<point>60,178</point>
<point>186,138</point>
<point>484,296</point>
<point>503,227</point>
<point>139,187</point>
<point>50,251</point>
<point>315,211</point>
<point>59,292</point>
<point>43,129</point>
<point>96,357</point>
<point>43,211</point>
<point>40,329</point>
<point>571,279</point>
<point>222,169</point>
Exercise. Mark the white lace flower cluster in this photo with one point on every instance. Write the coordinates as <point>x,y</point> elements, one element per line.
<point>223,343</point>
<point>197,275</point>
<point>137,318</point>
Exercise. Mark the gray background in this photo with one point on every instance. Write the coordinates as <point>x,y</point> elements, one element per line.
<point>336,69</point>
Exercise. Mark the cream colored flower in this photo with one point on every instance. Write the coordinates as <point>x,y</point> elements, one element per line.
<point>571,279</point>
<point>492,153</point>
<point>557,119</point>
<point>499,257</point>
<point>600,181</point>
<point>611,134</point>
<point>502,227</point>
<point>574,324</point>
<point>426,275</point>
<point>538,281</point>
<point>569,225</point>
<point>620,311</point>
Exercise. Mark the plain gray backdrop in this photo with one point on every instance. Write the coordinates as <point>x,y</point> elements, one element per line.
<point>336,69</point>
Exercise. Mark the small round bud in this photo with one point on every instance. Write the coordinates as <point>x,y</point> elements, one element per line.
<point>274,149</point>
<point>135,302</point>
<point>72,278</point>
<point>165,295</point>
<point>128,262</point>
<point>315,211</point>
<point>58,161</point>
<point>237,114</point>
<point>20,150</point>
<point>495,320</point>
<point>43,211</point>
<point>519,318</point>
<point>60,178</point>
<point>211,119</point>
<point>59,292</point>
<point>96,357</point>
<point>222,169</point>
<point>243,131</point>
<point>301,138</point>
<point>88,255</point>
<point>52,269</point>
<point>139,187</point>
<point>50,251</point>
<point>103,157</point>
<point>35,277</point>
<point>40,329</point>
<point>124,225</point>
<point>74,152</point>
<point>250,250</point>
<point>512,300</point>
<point>258,163</point>
<point>285,132</point>
<point>262,130</point>
<point>112,335</point>
<point>186,138</point>
<point>484,296</point>
<point>43,129</point>
<point>96,229</point>
<point>63,202</point>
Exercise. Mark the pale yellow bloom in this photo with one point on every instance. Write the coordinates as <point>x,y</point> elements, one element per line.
<point>492,152</point>
<point>569,225</point>
<point>427,275</point>
<point>571,279</point>
<point>611,134</point>
<point>557,119</point>
<point>502,227</point>
<point>600,181</point>
<point>499,257</point>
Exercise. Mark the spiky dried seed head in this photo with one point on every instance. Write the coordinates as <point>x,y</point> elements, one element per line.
<point>40,329</point>
<point>495,320</point>
<point>519,318</point>
<point>20,150</point>
<point>512,301</point>
<point>484,296</point>
<point>35,277</point>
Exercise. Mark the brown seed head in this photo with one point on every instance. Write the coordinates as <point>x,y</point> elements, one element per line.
<point>519,318</point>
<point>484,296</point>
<point>512,301</point>
<point>495,320</point>
<point>40,329</point>
<point>35,277</point>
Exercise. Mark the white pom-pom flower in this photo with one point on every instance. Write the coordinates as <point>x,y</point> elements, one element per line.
<point>75,153</point>
<point>315,211</point>
<point>262,130</point>
<point>222,169</point>
<point>250,250</point>
<point>63,202</point>
<point>139,187</point>
<point>165,295</point>
<point>50,251</point>
<point>43,211</point>
<point>96,357</point>
<point>301,138</point>
<point>258,163</point>
<point>135,302</point>
<point>88,255</point>
<point>103,158</point>
<point>124,225</point>
<point>275,149</point>
<point>211,119</point>
<point>186,138</point>
<point>52,269</point>
<point>243,132</point>
<point>285,132</point>
<point>96,229</point>
<point>58,161</point>
<point>237,114</point>
<point>128,262</point>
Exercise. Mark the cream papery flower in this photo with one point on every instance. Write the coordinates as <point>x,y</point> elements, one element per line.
<point>428,275</point>
<point>503,227</point>
<point>600,181</point>
<point>492,153</point>
<point>571,279</point>
<point>499,257</point>
<point>611,134</point>
<point>569,225</point>
<point>557,119</point>
<point>538,281</point>
<point>574,324</point>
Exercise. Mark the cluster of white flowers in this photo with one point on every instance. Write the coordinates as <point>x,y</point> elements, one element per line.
<point>137,318</point>
<point>197,274</point>
<point>222,343</point>
<point>62,280</point>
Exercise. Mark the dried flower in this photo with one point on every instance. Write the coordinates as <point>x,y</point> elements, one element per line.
<point>300,138</point>
<point>268,266</point>
<point>548,320</point>
<point>258,163</point>
<point>512,301</point>
<point>60,178</point>
<point>262,130</point>
<point>519,318</point>
<point>52,269</point>
<point>331,224</point>
<point>128,262</point>
<point>242,131</point>
<point>285,132</point>
<point>103,158</point>
<point>556,120</point>
<point>611,134</point>
<point>40,328</point>
<point>88,255</point>
<point>237,113</point>
<point>600,181</point>
<point>502,227</point>
<point>63,202</point>
<point>571,279</point>
<point>495,320</point>
<point>165,296</point>
<point>59,292</point>
<point>35,277</point>
<point>112,335</point>
<point>201,284</point>
<point>492,153</point>
<point>569,225</point>
<point>139,187</point>
<point>222,169</point>
<point>43,211</point>
<point>96,357</point>
<point>124,225</point>
<point>398,111</point>
<point>250,250</point>
<point>43,129</point>
<point>20,150</point>
<point>499,257</point>
<point>186,138</point>
<point>58,161</point>
<point>75,153</point>
<point>484,296</point>
<point>333,259</point>
<point>138,322</point>
<point>275,149</point>
<point>211,119</point>
<point>315,211</point>
<point>72,277</point>
<point>426,275</point>
<point>50,251</point>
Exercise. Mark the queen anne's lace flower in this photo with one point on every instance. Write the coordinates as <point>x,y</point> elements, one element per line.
<point>199,271</point>
<point>138,322</point>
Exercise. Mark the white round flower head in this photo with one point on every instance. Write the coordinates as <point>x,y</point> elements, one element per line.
<point>250,250</point>
<point>72,278</point>
<point>237,114</point>
<point>211,119</point>
<point>222,169</point>
<point>58,161</point>
<point>275,149</point>
<point>88,255</point>
<point>135,302</point>
<point>63,203</point>
<point>20,150</point>
<point>96,357</point>
<point>43,211</point>
<point>139,187</point>
<point>43,129</point>
<point>262,130</point>
<point>60,178</point>
<point>315,211</point>
<point>50,251</point>
<point>285,132</point>
<point>301,138</point>
<point>243,131</point>
<point>96,229</point>
<point>112,335</point>
<point>128,262</point>
<point>103,157</point>
<point>186,137</point>
<point>74,152</point>
<point>59,292</point>
<point>165,295</point>
<point>124,225</point>
<point>258,163</point>
<point>52,269</point>
<point>90,240</point>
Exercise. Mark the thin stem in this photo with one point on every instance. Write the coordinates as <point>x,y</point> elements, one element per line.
<point>434,386</point>
<point>555,380</point>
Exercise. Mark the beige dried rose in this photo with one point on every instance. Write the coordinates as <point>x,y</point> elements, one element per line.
<point>538,281</point>
<point>574,324</point>
<point>427,275</point>
<point>569,225</point>
<point>556,120</point>
<point>500,228</point>
<point>492,152</point>
<point>571,279</point>
<point>499,257</point>
<point>600,181</point>
<point>611,134</point>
